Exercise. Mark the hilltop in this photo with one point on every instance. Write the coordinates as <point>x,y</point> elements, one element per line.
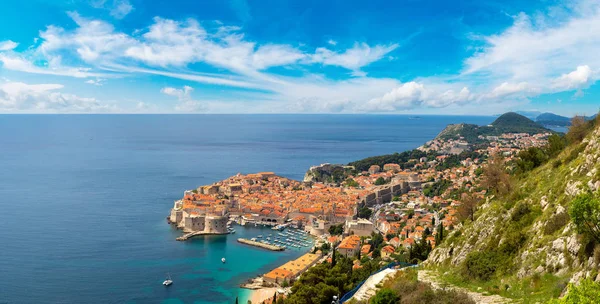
<point>507,123</point>
<point>524,244</point>
<point>550,119</point>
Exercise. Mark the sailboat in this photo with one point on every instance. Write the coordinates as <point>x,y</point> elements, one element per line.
<point>168,281</point>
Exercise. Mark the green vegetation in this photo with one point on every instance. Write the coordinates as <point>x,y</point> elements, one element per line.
<point>323,281</point>
<point>534,157</point>
<point>585,212</point>
<point>396,158</point>
<point>385,296</point>
<point>336,229</point>
<point>588,292</point>
<point>405,289</point>
<point>380,181</point>
<point>455,160</point>
<point>506,242</point>
<point>352,183</point>
<point>437,188</point>
<point>336,175</point>
<point>365,212</point>
<point>506,123</point>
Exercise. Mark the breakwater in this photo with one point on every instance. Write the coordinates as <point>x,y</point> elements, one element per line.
<point>261,245</point>
<point>196,233</point>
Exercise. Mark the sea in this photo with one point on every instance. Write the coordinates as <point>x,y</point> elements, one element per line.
<point>84,198</point>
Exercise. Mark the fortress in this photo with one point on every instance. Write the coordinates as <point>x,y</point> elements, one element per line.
<point>199,220</point>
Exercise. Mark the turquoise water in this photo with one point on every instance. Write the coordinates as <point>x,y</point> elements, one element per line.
<point>84,198</point>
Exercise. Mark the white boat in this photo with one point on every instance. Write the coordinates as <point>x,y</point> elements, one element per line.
<point>168,281</point>
<point>223,260</point>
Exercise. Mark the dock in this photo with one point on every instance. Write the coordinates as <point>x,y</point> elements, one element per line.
<point>187,236</point>
<point>261,245</point>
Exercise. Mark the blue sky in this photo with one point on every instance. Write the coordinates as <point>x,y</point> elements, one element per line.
<point>243,56</point>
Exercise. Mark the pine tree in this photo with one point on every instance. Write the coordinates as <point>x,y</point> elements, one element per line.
<point>236,300</point>
<point>333,258</point>
<point>275,298</point>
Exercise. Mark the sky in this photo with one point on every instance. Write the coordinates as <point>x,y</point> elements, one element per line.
<point>466,57</point>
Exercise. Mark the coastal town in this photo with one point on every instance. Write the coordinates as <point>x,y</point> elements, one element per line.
<point>406,205</point>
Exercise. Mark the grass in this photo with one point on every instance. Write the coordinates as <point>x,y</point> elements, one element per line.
<point>534,289</point>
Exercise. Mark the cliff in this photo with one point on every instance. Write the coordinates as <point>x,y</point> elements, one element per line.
<point>525,245</point>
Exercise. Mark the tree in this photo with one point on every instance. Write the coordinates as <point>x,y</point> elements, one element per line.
<point>364,212</point>
<point>468,207</point>
<point>275,298</point>
<point>577,130</point>
<point>236,300</point>
<point>379,181</point>
<point>376,253</point>
<point>336,229</point>
<point>585,213</point>
<point>439,236</point>
<point>376,240</point>
<point>333,261</point>
<point>385,296</point>
<point>352,183</point>
<point>495,178</point>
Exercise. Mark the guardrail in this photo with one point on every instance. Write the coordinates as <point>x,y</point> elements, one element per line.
<point>351,293</point>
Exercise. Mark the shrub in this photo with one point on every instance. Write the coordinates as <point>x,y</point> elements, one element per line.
<point>385,296</point>
<point>521,210</point>
<point>556,163</point>
<point>555,223</point>
<point>588,292</point>
<point>480,265</point>
<point>585,212</point>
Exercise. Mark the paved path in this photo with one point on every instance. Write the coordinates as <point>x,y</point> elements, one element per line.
<point>431,278</point>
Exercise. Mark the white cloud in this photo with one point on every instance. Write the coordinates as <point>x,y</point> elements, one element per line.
<point>121,8</point>
<point>537,50</point>
<point>331,42</point>
<point>360,55</point>
<point>508,89</point>
<point>17,63</point>
<point>8,45</point>
<point>97,82</point>
<point>580,78</point>
<point>22,97</point>
<point>186,103</point>
<point>413,95</point>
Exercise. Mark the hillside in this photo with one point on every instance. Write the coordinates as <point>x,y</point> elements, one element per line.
<point>507,123</point>
<point>524,245</point>
<point>550,119</point>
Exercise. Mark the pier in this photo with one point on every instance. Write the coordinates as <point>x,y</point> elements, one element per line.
<point>259,244</point>
<point>187,236</point>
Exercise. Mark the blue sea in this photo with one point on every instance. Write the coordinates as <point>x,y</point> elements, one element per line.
<point>83,198</point>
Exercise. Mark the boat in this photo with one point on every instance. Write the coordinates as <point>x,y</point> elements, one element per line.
<point>223,260</point>
<point>168,281</point>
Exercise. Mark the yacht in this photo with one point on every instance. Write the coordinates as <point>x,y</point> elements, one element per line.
<point>168,281</point>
